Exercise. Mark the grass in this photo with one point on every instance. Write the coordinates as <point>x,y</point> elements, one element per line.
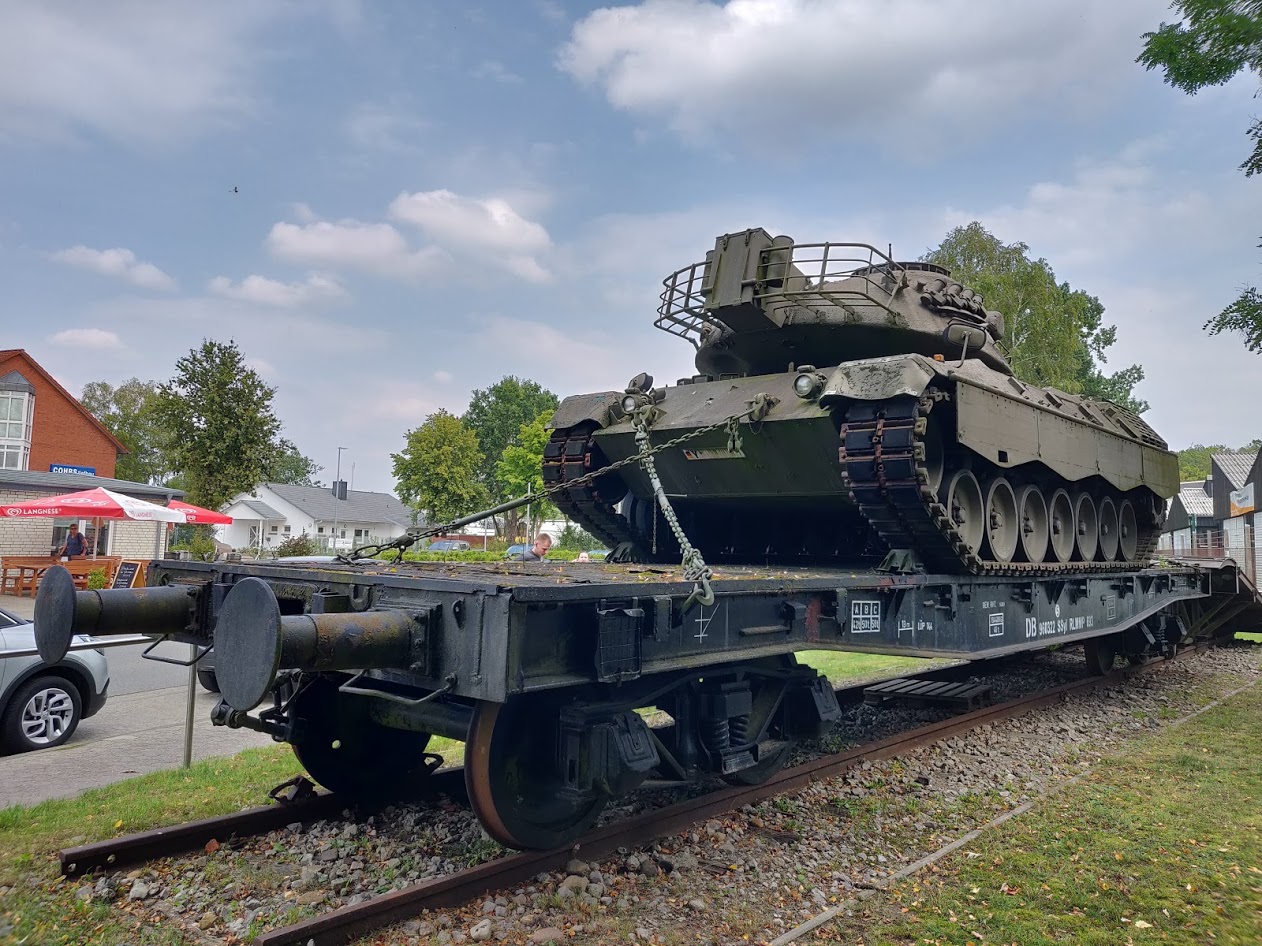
<point>1161,845</point>
<point>837,665</point>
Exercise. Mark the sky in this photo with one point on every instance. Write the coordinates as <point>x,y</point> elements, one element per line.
<point>388,205</point>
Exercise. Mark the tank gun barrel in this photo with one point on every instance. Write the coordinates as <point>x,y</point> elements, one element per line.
<point>62,611</point>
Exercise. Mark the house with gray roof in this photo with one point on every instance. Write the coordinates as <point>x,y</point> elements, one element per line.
<point>335,517</point>
<point>1191,526</point>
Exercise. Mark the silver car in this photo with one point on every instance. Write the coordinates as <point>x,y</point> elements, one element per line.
<point>41,704</point>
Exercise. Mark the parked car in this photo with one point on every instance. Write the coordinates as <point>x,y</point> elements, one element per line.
<point>449,545</point>
<point>515,550</point>
<point>41,704</point>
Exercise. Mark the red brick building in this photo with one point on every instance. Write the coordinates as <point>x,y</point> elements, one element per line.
<point>43,428</point>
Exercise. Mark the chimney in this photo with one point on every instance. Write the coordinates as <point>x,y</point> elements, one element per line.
<point>339,489</point>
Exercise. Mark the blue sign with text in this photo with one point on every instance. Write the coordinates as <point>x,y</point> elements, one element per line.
<point>67,468</point>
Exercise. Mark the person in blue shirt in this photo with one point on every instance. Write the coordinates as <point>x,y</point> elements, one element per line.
<point>76,545</point>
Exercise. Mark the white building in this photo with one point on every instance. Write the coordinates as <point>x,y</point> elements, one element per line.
<point>345,519</point>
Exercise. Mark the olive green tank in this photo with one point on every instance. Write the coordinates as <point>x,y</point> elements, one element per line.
<point>876,420</point>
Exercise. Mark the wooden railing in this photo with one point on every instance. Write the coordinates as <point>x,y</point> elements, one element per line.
<point>21,574</point>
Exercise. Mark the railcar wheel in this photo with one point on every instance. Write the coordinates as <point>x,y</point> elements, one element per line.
<point>1107,515</point>
<point>768,765</point>
<point>510,772</point>
<point>1088,527</point>
<point>1003,528</point>
<point>1060,522</point>
<point>967,509</point>
<point>1100,653</point>
<point>1128,530</point>
<point>348,752</point>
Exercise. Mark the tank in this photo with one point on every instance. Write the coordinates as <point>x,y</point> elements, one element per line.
<point>851,409</point>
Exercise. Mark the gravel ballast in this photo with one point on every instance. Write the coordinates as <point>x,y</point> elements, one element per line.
<point>755,873</point>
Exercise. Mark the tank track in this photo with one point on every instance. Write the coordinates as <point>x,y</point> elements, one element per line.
<point>569,454</point>
<point>882,456</point>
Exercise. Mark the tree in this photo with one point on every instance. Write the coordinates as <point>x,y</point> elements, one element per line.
<point>496,415</point>
<point>1054,334</point>
<point>221,428</point>
<point>1194,461</point>
<point>437,472</point>
<point>289,465</point>
<point>1216,40</point>
<point>520,467</point>
<point>128,412</point>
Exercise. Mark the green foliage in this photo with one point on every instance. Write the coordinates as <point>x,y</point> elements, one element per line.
<point>575,539</point>
<point>520,467</point>
<point>497,415</point>
<point>1054,333</point>
<point>437,472</point>
<point>97,579</point>
<point>1215,41</point>
<point>298,545</point>
<point>218,415</point>
<point>288,465</point>
<point>197,540</point>
<point>128,413</point>
<point>1194,461</point>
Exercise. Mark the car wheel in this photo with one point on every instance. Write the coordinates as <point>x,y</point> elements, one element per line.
<point>44,712</point>
<point>208,680</point>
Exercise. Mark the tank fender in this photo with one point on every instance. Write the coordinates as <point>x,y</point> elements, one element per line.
<point>585,407</point>
<point>878,379</point>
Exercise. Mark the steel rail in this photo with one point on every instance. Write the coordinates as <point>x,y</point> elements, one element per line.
<point>115,853</point>
<point>345,924</point>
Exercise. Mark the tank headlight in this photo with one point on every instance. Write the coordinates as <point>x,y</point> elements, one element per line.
<point>807,385</point>
<point>630,403</point>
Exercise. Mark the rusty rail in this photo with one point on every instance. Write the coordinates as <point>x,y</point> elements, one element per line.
<point>343,925</point>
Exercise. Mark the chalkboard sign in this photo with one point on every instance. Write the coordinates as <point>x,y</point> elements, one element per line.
<point>126,575</point>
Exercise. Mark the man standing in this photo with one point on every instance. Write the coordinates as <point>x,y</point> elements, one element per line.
<point>76,546</point>
<point>538,551</point>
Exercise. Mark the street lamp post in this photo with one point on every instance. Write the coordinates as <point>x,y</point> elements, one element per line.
<point>336,480</point>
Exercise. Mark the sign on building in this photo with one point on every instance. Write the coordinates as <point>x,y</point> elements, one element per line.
<point>68,468</point>
<point>1241,500</point>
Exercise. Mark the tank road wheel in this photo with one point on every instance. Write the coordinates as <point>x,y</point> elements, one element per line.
<point>1107,514</point>
<point>1088,537</point>
<point>1003,527</point>
<point>1060,522</point>
<point>966,509</point>
<point>510,772</point>
<point>1100,653</point>
<point>1128,530</point>
<point>348,752</point>
<point>935,457</point>
<point>1032,514</point>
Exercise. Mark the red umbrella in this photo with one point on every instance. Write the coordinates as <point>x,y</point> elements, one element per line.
<point>96,504</point>
<point>200,516</point>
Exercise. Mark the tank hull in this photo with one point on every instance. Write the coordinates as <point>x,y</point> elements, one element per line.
<point>900,453</point>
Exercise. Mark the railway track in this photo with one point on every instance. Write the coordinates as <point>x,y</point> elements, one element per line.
<point>345,924</point>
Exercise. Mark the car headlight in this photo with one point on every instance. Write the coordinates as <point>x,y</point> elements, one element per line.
<point>630,403</point>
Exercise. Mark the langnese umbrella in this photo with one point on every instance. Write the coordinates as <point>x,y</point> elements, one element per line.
<point>96,504</point>
<point>199,516</point>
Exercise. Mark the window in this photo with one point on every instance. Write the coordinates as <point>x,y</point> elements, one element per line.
<point>17,411</point>
<point>320,531</point>
<point>275,528</point>
<point>286,530</point>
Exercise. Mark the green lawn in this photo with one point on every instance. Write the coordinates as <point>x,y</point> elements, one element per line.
<point>841,666</point>
<point>1161,845</point>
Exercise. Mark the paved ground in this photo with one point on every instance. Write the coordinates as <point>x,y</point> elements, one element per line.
<point>140,729</point>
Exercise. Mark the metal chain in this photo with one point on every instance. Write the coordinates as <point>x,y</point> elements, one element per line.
<point>759,405</point>
<point>695,568</point>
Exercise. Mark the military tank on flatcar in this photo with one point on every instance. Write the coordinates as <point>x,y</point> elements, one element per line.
<point>883,421</point>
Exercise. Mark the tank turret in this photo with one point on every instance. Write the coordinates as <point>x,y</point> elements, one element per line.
<point>849,408</point>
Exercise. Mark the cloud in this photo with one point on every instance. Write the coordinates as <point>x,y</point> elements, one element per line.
<point>442,377</point>
<point>260,289</point>
<point>131,71</point>
<point>483,225</point>
<point>116,262</point>
<point>91,338</point>
<point>383,128</point>
<point>351,244</point>
<point>938,72</point>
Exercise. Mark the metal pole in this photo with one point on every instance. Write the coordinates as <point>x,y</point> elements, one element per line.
<point>336,479</point>
<point>190,704</point>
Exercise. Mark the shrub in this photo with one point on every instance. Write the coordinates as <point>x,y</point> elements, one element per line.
<point>297,545</point>
<point>97,579</point>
